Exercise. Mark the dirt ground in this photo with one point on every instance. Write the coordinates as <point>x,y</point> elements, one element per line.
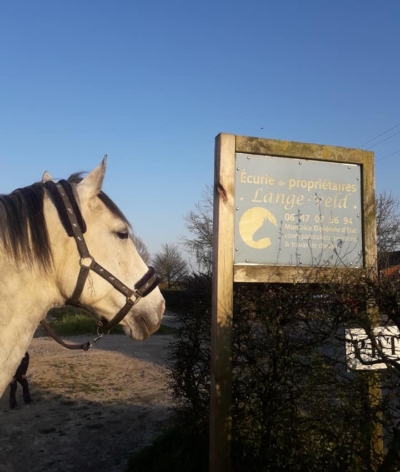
<point>91,410</point>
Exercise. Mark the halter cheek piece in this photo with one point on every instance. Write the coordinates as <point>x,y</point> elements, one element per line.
<point>71,217</point>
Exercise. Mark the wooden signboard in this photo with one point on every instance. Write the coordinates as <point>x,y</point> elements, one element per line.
<point>283,212</point>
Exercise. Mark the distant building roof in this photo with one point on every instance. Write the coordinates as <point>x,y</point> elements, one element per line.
<point>388,260</point>
<point>391,271</point>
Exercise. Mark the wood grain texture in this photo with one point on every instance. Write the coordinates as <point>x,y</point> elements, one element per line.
<point>275,147</point>
<point>222,301</point>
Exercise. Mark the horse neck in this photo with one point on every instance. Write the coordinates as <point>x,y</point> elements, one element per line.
<point>26,295</point>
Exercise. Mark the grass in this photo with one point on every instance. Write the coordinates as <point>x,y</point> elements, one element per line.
<point>70,322</point>
<point>73,324</point>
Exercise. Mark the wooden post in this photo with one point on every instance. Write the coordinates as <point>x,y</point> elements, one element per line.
<point>222,305</point>
<point>371,259</point>
<point>375,402</point>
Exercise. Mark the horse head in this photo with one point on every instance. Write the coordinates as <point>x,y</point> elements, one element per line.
<point>108,238</point>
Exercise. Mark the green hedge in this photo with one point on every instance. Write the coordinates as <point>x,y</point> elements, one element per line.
<point>175,300</point>
<point>68,321</point>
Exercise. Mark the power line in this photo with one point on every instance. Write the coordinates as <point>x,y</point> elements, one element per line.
<point>379,135</point>
<point>388,155</point>
<point>383,140</point>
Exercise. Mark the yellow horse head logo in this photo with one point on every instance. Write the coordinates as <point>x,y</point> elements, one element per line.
<point>251,221</point>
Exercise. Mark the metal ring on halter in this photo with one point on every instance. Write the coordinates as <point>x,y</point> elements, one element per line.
<point>83,265</point>
<point>99,333</point>
<point>99,336</point>
<point>133,302</point>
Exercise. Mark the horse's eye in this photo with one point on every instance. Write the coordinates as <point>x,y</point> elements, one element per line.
<point>123,234</point>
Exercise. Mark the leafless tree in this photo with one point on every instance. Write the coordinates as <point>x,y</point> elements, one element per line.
<point>169,264</point>
<point>199,223</point>
<point>141,249</point>
<point>387,224</point>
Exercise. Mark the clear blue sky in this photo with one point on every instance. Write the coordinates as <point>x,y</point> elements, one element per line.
<point>151,83</point>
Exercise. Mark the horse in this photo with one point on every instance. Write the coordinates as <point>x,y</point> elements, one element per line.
<point>67,242</point>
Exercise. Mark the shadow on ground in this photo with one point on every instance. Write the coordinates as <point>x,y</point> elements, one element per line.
<point>91,410</point>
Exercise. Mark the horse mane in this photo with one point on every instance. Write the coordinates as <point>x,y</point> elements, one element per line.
<point>23,229</point>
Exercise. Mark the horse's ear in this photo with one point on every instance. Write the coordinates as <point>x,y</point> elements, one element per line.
<point>46,177</point>
<point>91,185</point>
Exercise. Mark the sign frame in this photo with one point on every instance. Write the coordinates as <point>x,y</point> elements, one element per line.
<point>316,152</point>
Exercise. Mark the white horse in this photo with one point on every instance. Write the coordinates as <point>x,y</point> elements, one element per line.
<point>40,264</point>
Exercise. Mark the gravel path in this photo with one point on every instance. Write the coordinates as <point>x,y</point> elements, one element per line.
<point>91,409</point>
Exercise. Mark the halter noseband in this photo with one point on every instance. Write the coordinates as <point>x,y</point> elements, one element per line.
<point>71,217</point>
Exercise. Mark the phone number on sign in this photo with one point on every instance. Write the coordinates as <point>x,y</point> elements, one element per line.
<point>298,217</point>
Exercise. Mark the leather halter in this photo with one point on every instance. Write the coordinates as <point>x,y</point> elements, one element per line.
<point>74,225</point>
